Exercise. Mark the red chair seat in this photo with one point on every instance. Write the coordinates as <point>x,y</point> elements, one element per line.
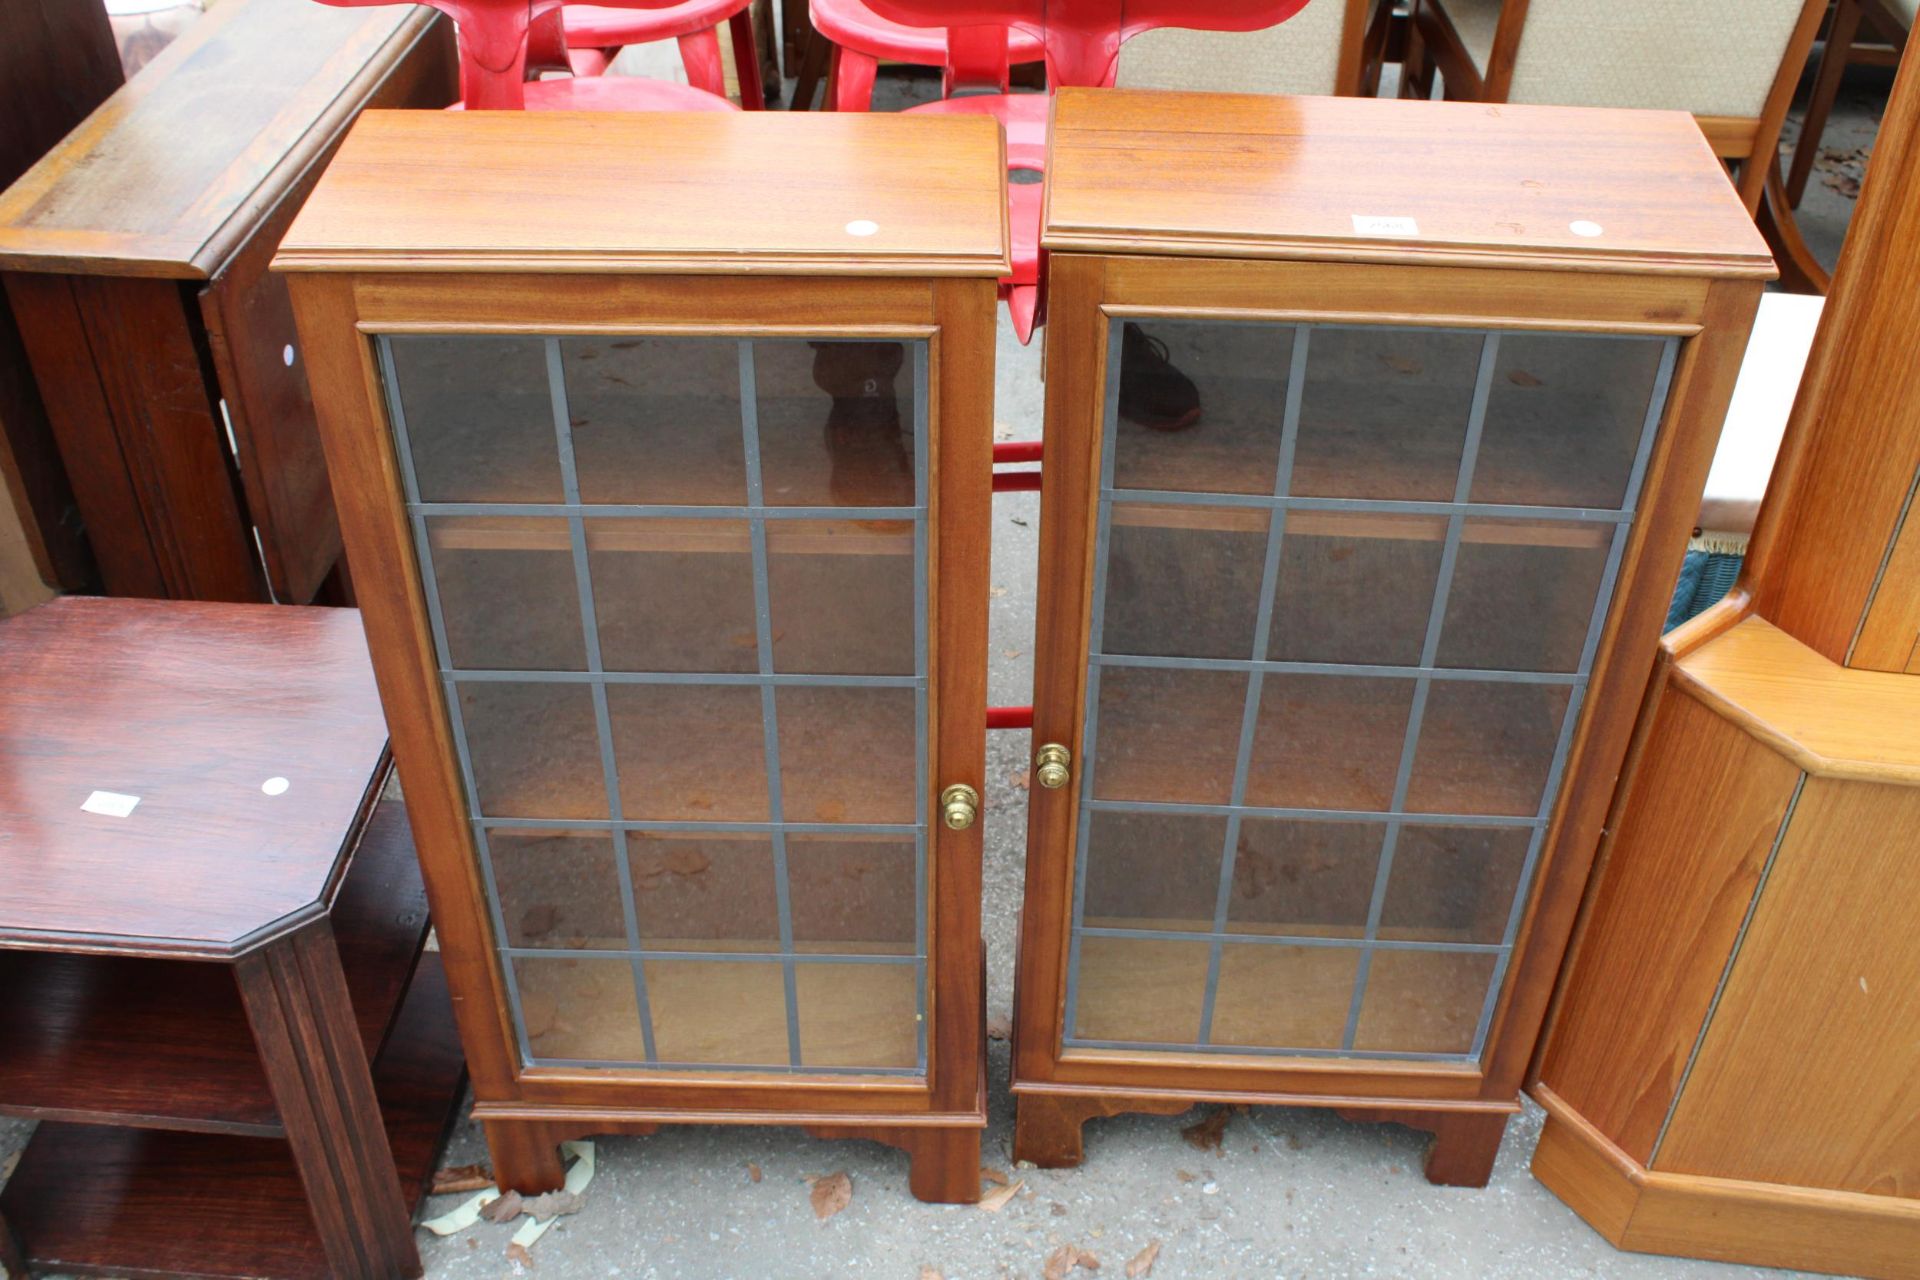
<point>852,25</point>
<point>617,93</point>
<point>1022,115</point>
<point>592,26</point>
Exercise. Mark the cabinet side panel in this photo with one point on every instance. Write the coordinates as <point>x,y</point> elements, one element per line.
<point>1706,807</point>
<point>1815,1030</point>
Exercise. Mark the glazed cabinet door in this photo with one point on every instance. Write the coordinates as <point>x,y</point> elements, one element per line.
<point>1346,588</point>
<point>679,599</point>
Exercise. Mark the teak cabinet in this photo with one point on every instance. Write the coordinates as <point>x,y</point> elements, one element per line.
<point>1375,431</point>
<point>1731,1069</point>
<point>668,512</point>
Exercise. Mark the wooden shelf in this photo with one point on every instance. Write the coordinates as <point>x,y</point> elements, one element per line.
<point>1279,997</point>
<point>68,1053</point>
<point>675,535</point>
<point>730,1012</point>
<point>134,1202</point>
<point>1396,526</point>
<point>1324,742</point>
<point>696,753</point>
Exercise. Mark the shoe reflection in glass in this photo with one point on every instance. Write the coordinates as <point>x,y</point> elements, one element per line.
<point>870,454</point>
<point>1153,393</point>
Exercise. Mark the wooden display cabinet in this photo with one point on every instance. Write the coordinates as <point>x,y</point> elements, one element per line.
<point>663,446</point>
<point>1730,1068</point>
<point>1375,431</point>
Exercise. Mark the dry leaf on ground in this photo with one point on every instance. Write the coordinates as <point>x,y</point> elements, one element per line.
<point>753,1172</point>
<point>1065,1259</point>
<point>996,1200</point>
<point>517,1254</point>
<point>1209,1132</point>
<point>831,1194</point>
<point>994,1176</point>
<point>1141,1264</point>
<point>464,1177</point>
<point>552,1205</point>
<point>505,1209</point>
<point>1183,1175</point>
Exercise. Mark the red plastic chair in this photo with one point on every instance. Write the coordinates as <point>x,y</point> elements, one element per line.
<point>501,40</point>
<point>596,33</point>
<point>860,38</point>
<point>1081,40</point>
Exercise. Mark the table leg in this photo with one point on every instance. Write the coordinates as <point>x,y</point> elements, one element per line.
<point>13,1260</point>
<point>302,1017</point>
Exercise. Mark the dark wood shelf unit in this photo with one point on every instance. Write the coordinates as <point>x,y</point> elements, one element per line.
<point>64,1054</point>
<point>93,1200</point>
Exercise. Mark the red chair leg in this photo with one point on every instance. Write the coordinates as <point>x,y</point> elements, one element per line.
<point>852,81</point>
<point>746,61</point>
<point>700,52</point>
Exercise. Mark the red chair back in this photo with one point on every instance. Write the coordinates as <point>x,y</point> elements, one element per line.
<point>1082,37</point>
<point>495,37</point>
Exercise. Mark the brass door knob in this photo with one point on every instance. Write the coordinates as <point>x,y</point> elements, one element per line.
<point>959,806</point>
<point>1052,765</point>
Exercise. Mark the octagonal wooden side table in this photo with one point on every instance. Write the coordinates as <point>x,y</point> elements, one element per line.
<point>211,933</point>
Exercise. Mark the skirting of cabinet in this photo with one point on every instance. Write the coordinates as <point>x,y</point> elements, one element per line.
<point>1049,1122</point>
<point>944,1150</point>
<point>1686,1215</point>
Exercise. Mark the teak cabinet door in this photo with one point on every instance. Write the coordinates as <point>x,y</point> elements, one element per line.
<point>679,597</point>
<point>671,592</point>
<point>1346,585</point>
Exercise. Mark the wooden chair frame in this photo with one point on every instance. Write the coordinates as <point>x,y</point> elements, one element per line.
<point>1839,52</point>
<point>1434,44</point>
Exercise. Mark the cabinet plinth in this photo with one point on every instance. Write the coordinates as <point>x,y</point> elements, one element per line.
<point>1379,509</point>
<point>668,525</point>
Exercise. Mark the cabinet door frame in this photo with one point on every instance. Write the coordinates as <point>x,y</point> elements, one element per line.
<point>340,317</point>
<point>1091,292</point>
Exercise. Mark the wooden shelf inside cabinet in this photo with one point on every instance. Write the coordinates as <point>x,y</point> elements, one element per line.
<point>1378,428</point>
<point>1383,525</point>
<point>801,537</point>
<point>679,585</point>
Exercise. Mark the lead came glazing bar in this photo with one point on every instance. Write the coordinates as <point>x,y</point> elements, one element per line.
<point>1262,636</point>
<point>602,716</point>
<point>769,715</point>
<point>1429,653</point>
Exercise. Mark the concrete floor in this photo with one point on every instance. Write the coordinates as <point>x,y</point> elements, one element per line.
<point>1292,1192</point>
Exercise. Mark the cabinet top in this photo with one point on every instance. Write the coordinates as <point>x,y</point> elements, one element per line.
<point>1379,180</point>
<point>708,192</point>
<point>175,170</point>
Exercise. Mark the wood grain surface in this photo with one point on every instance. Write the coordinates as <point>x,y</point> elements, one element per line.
<point>77,1021</point>
<point>163,177</point>
<point>192,708</point>
<point>1267,176</point>
<point>613,192</point>
<point>1830,720</point>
